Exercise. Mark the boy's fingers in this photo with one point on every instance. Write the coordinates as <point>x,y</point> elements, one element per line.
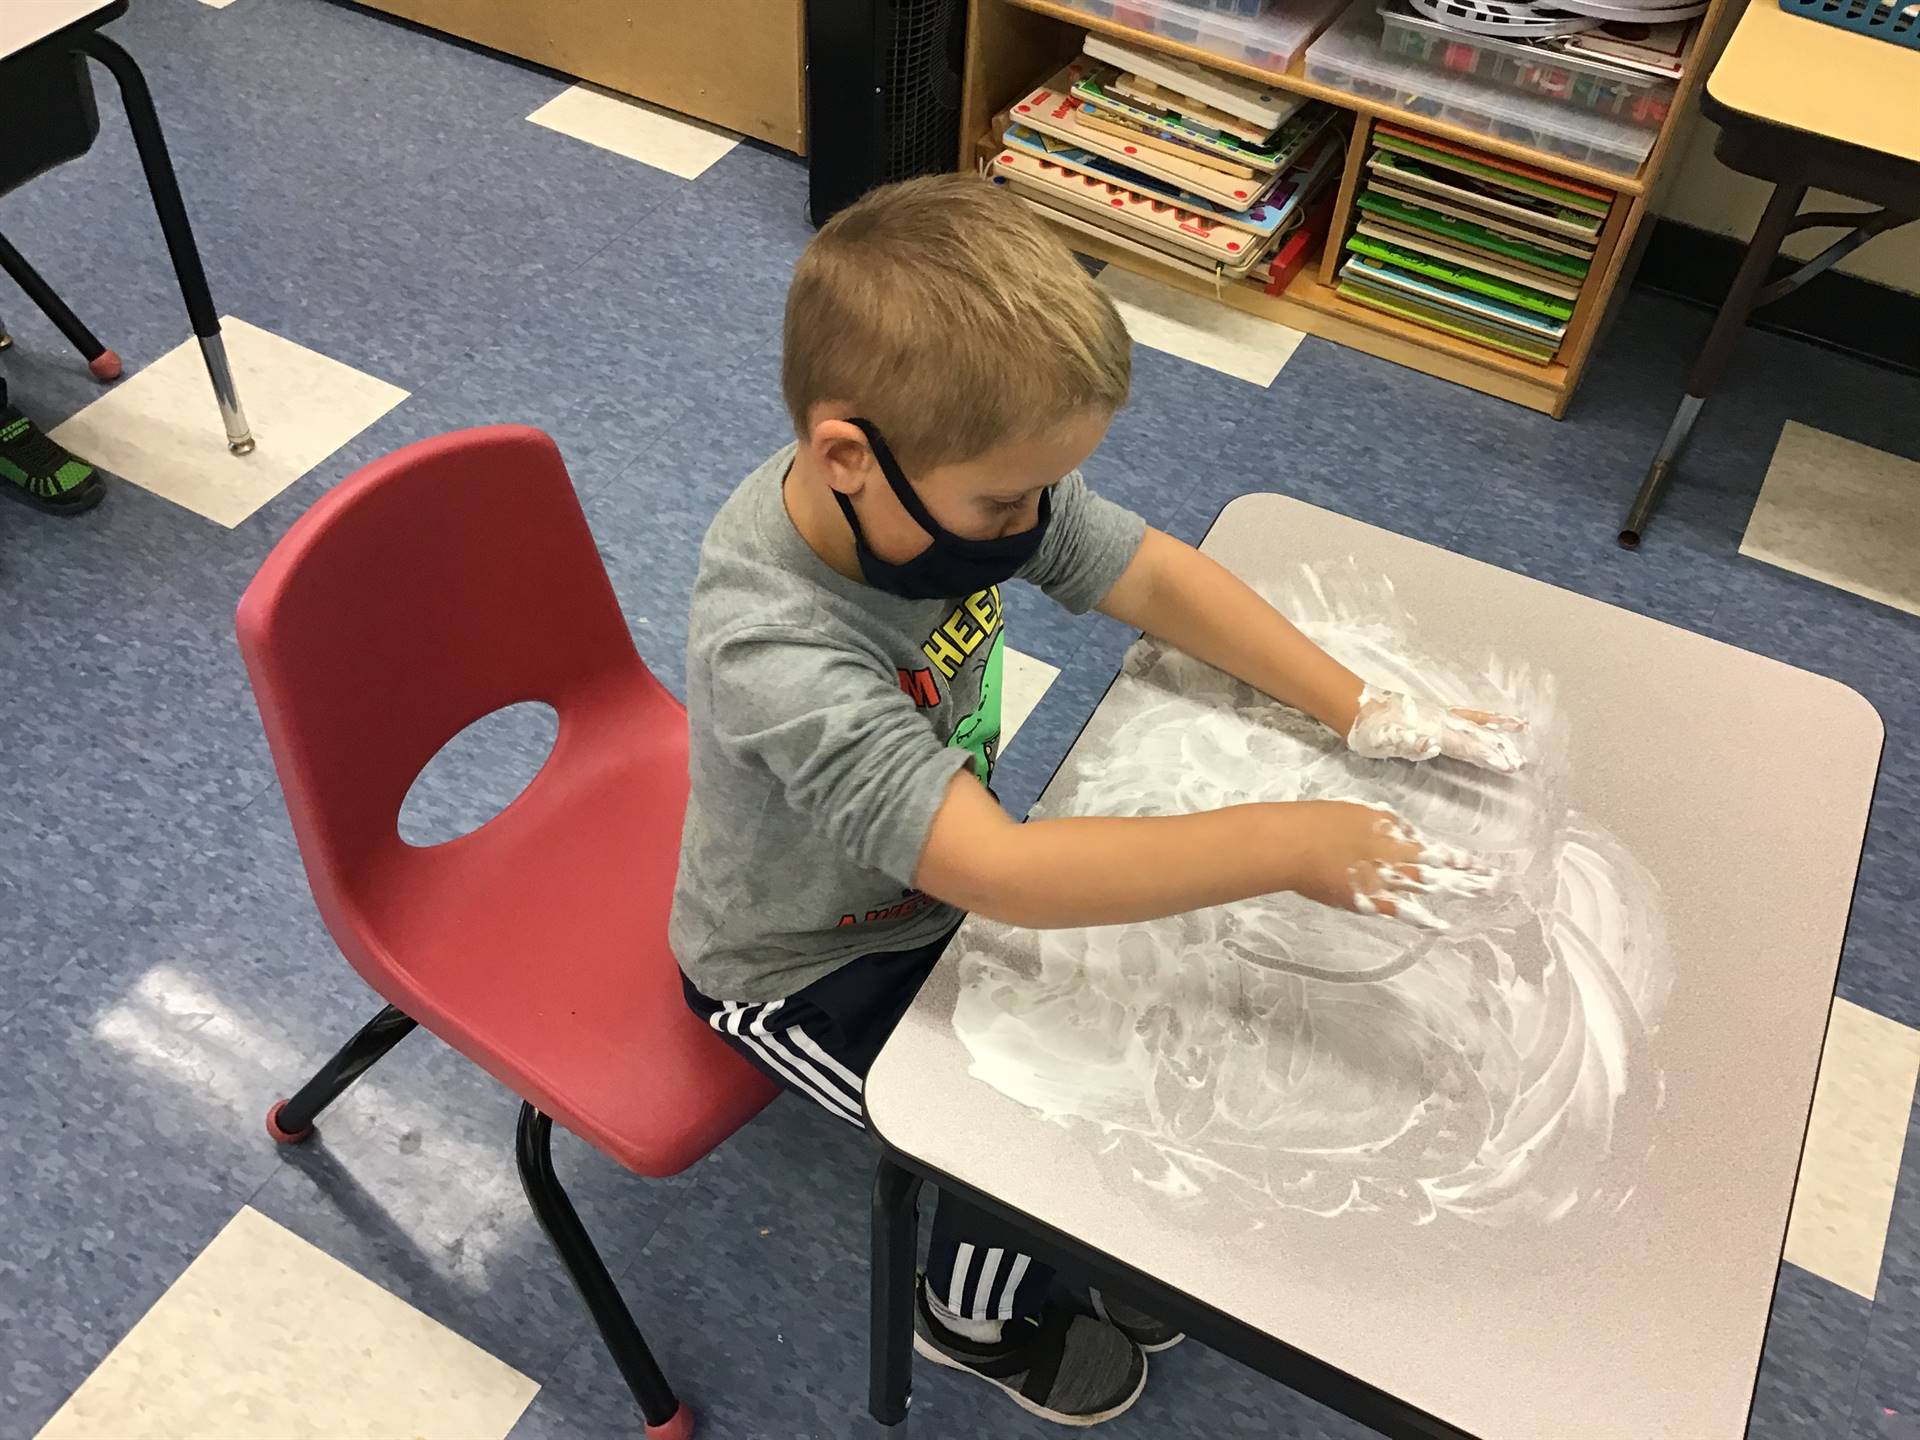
<point>1412,912</point>
<point>1490,719</point>
<point>1441,880</point>
<point>1455,858</point>
<point>1490,749</point>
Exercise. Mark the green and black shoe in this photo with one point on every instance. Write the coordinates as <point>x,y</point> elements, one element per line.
<point>40,473</point>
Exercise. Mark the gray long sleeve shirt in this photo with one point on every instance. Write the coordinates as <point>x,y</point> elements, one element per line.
<point>827,720</point>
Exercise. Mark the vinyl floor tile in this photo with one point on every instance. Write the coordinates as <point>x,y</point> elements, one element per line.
<point>358,1361</point>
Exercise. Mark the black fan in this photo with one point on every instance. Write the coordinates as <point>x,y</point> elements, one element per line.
<point>883,95</point>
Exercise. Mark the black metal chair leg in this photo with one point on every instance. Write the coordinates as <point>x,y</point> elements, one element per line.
<point>555,1212</point>
<point>291,1121</point>
<point>144,121</point>
<point>895,1213</point>
<point>103,362</point>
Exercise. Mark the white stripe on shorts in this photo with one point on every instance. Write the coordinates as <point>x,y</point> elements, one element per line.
<point>1014,1277</point>
<point>983,1293</point>
<point>776,1040</point>
<point>957,1290</point>
<point>736,1013</point>
<point>807,1043</point>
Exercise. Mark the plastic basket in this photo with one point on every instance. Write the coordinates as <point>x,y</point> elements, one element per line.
<point>1896,21</point>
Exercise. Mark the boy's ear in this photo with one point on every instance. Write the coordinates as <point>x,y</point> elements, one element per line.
<point>842,453</point>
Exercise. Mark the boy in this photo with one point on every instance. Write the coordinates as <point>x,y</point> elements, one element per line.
<point>949,367</point>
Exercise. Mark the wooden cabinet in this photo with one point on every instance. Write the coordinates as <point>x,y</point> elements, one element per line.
<point>740,64</point>
<point>1013,44</point>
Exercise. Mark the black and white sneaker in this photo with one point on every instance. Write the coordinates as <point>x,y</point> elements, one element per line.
<point>1065,1367</point>
<point>1150,1334</point>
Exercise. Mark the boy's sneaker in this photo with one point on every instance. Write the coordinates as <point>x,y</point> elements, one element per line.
<point>35,470</point>
<point>1144,1330</point>
<point>1068,1368</point>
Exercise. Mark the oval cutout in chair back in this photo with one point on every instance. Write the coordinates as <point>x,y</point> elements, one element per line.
<point>478,773</point>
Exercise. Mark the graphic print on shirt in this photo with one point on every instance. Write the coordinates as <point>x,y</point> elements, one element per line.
<point>979,732</point>
<point>975,621</point>
<point>978,620</point>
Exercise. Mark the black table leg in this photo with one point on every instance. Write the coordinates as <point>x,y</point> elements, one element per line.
<point>172,209</point>
<point>1712,360</point>
<point>895,1212</point>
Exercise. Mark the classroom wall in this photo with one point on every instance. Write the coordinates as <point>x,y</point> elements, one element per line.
<point>1698,190</point>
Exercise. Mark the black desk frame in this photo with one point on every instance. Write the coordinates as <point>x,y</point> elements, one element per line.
<point>84,38</point>
<point>1795,161</point>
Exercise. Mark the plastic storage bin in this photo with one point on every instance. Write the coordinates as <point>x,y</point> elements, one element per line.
<point>1271,41</point>
<point>1349,57</point>
<point>1569,79</point>
<point>1246,9</point>
<point>1894,21</point>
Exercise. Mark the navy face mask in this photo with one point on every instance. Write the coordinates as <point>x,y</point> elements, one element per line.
<point>950,568</point>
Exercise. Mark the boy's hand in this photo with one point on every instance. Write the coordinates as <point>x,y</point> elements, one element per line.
<point>1365,859</point>
<point>1392,726</point>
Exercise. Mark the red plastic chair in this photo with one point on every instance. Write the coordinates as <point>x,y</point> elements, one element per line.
<point>434,587</point>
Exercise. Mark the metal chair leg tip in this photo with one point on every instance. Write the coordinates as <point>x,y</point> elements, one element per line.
<point>241,447</point>
<point>1629,539</point>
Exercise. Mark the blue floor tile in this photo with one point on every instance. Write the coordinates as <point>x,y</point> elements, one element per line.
<point>1811,1363</point>
<point>1889,1394</point>
<point>138,1069</point>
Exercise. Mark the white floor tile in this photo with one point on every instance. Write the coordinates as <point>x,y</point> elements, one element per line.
<point>266,1336</point>
<point>160,429</point>
<point>1023,681</point>
<point>1200,329</point>
<point>1852,1160</point>
<point>639,131</point>
<point>1835,510</point>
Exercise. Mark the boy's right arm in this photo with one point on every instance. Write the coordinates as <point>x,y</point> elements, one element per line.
<point>1054,874</point>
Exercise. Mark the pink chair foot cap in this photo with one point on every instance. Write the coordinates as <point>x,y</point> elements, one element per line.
<point>294,1137</point>
<point>105,366</point>
<point>680,1427</point>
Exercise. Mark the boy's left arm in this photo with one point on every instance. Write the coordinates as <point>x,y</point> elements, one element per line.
<point>1174,593</point>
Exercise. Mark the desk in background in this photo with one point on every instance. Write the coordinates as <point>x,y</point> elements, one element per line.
<point>1742,785</point>
<point>1802,104</point>
<point>41,48</point>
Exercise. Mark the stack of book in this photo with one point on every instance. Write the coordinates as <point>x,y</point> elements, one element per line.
<point>1483,248</point>
<point>1168,159</point>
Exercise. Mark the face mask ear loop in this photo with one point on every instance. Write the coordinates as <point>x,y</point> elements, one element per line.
<point>896,478</point>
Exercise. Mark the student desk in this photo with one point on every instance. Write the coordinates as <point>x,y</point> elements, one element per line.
<point>42,43</point>
<point>1742,785</point>
<point>1801,104</point>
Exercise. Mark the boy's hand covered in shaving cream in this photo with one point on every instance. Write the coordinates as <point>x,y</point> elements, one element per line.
<point>1392,726</point>
<point>1366,859</point>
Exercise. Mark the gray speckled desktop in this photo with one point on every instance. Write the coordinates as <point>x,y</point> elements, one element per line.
<point>1741,786</point>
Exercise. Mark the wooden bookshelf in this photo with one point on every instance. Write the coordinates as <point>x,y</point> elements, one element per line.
<point>1013,45</point>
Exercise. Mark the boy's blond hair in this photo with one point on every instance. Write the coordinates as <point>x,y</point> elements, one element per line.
<point>947,313</point>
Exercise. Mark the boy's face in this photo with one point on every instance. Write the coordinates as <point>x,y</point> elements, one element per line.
<point>994,494</point>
